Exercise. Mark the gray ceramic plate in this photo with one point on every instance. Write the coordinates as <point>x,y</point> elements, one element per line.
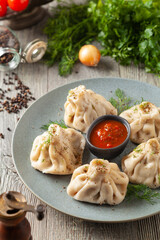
<point>52,189</point>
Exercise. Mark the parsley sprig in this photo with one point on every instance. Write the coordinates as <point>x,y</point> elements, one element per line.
<point>142,192</point>
<point>128,31</point>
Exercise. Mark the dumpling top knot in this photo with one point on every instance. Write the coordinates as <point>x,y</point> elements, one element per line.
<point>83,106</point>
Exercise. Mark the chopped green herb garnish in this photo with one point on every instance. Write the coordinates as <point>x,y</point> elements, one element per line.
<point>153,152</point>
<point>144,105</point>
<point>47,141</point>
<point>71,93</point>
<point>99,162</point>
<point>159,178</point>
<point>137,149</point>
<point>60,123</point>
<point>35,147</point>
<point>141,191</point>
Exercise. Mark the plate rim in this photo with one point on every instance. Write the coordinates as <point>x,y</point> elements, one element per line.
<point>40,198</point>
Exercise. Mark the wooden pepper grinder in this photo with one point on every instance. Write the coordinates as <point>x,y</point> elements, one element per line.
<point>13,223</point>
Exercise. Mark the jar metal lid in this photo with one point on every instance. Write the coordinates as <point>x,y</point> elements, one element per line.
<point>34,51</point>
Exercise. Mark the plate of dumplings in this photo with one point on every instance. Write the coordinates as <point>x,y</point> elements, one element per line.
<point>56,165</point>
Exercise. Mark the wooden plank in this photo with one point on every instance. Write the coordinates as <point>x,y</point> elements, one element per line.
<point>56,225</point>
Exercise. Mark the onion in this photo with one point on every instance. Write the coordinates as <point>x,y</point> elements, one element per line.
<point>89,55</point>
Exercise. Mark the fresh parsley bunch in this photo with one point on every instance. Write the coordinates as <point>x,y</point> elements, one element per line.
<point>128,31</point>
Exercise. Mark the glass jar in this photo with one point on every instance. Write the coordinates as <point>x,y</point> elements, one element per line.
<point>11,54</point>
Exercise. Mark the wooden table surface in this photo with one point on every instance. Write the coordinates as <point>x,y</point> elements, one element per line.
<point>56,225</point>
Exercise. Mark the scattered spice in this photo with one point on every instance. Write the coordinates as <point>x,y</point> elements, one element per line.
<point>145,107</point>
<point>9,129</point>
<point>2,135</point>
<point>6,58</point>
<point>20,100</point>
<point>7,40</point>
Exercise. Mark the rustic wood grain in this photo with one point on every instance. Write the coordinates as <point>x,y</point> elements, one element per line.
<point>56,225</point>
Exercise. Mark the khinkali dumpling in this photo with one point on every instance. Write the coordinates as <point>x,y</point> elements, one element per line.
<point>143,164</point>
<point>58,150</point>
<point>83,106</point>
<point>99,182</point>
<point>144,120</point>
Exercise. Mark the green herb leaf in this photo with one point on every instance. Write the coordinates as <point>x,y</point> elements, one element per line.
<point>60,123</point>
<point>159,178</point>
<point>139,101</point>
<point>121,102</point>
<point>137,149</point>
<point>69,29</point>
<point>143,192</point>
<point>128,31</point>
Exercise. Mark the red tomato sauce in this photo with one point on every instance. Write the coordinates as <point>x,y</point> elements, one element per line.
<point>108,134</point>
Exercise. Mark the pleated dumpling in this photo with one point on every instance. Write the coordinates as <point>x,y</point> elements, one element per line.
<point>142,165</point>
<point>58,150</point>
<point>83,106</point>
<point>144,120</point>
<point>99,182</point>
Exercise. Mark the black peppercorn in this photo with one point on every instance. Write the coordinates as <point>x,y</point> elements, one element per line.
<point>7,40</point>
<point>20,100</point>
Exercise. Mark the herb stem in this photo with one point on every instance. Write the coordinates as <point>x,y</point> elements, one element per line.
<point>128,31</point>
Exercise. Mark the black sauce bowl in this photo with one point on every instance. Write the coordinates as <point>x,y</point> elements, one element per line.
<point>108,153</point>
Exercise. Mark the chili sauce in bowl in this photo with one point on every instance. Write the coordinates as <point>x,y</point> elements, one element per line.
<point>108,136</point>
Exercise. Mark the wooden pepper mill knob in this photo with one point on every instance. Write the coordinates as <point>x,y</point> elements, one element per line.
<point>13,223</point>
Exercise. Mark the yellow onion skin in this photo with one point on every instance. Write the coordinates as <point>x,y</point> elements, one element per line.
<point>89,55</point>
